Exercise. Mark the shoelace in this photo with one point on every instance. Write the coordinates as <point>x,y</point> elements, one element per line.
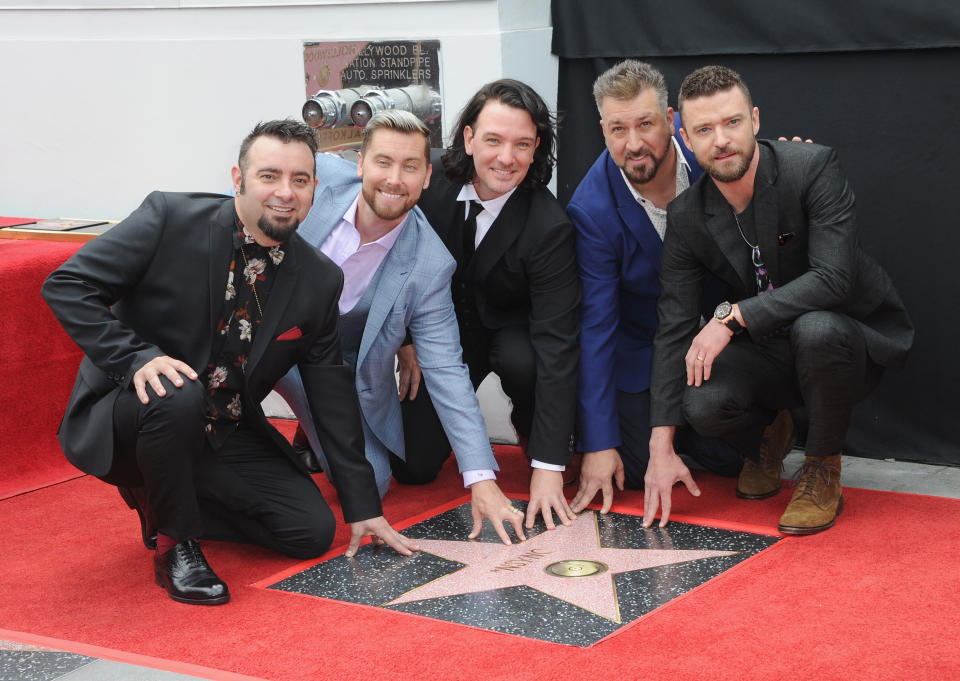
<point>814,476</point>
<point>192,554</point>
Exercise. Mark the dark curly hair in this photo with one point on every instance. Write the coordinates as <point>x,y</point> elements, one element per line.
<point>458,165</point>
<point>286,130</point>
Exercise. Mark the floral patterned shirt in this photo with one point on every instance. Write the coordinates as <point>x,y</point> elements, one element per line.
<point>243,303</point>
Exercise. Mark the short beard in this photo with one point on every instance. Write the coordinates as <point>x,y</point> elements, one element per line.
<point>370,197</point>
<point>735,173</point>
<point>279,233</point>
<point>645,175</point>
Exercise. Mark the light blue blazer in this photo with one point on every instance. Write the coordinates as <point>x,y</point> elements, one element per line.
<point>413,292</point>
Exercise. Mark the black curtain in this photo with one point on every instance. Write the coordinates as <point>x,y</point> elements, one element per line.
<point>878,82</point>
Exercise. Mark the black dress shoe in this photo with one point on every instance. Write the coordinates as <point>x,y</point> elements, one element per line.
<point>301,445</point>
<point>185,574</point>
<point>136,498</point>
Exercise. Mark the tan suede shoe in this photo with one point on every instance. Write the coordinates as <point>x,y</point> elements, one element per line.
<point>818,498</point>
<point>760,479</point>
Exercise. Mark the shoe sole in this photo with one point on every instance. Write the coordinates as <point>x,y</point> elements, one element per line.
<point>758,497</point>
<point>219,600</point>
<point>803,531</point>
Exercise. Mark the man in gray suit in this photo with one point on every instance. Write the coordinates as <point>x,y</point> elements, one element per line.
<point>397,280</point>
<point>814,320</point>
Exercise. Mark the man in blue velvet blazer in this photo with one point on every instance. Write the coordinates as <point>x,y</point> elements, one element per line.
<point>397,281</point>
<point>619,213</point>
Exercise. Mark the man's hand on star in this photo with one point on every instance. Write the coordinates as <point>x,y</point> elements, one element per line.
<point>664,470</point>
<point>546,498</point>
<point>598,472</point>
<point>488,501</point>
<point>382,533</point>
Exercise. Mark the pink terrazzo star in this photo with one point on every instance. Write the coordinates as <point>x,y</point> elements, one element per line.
<point>496,566</point>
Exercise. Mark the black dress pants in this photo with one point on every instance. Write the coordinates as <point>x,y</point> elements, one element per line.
<point>506,352</point>
<point>822,365</point>
<point>248,490</point>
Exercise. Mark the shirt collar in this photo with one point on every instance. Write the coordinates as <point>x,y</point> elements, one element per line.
<point>469,193</point>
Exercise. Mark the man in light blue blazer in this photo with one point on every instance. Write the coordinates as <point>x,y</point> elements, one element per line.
<point>397,280</point>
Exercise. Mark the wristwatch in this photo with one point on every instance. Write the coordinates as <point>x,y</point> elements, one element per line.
<point>724,315</point>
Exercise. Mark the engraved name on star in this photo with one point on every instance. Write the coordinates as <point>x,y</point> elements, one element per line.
<point>489,566</point>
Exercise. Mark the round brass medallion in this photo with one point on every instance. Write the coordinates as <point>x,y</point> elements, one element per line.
<point>575,568</point>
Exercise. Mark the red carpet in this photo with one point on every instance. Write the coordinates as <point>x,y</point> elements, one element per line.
<point>875,597</point>
<point>39,363</point>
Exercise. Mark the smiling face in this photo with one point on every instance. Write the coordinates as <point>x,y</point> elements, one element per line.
<point>501,141</point>
<point>394,169</point>
<point>637,134</point>
<point>275,192</point>
<point>721,131</point>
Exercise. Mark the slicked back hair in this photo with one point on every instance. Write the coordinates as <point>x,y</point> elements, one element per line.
<point>399,121</point>
<point>628,79</point>
<point>286,130</point>
<point>458,165</point>
<point>709,80</point>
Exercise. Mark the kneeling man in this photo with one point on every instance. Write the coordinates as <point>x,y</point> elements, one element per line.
<point>810,318</point>
<point>188,313</point>
<point>397,280</point>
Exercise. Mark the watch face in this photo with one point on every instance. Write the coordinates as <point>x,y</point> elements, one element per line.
<point>723,310</point>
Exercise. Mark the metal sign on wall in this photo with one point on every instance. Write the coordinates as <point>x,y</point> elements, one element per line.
<point>347,82</point>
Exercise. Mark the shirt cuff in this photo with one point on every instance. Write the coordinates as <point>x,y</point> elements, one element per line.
<point>547,466</point>
<point>470,477</point>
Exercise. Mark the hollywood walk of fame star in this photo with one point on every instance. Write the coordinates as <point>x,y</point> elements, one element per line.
<point>489,566</point>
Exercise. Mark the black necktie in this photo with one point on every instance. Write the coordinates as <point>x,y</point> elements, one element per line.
<point>470,232</point>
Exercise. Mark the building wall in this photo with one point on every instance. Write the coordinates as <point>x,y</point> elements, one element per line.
<point>106,100</point>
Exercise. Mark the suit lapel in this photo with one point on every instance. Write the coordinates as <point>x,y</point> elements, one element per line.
<point>222,228</point>
<point>765,213</point>
<point>633,214</point>
<point>393,275</point>
<point>723,228</point>
<point>502,233</point>
<point>280,295</point>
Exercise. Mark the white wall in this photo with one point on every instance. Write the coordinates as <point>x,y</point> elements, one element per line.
<point>106,100</point>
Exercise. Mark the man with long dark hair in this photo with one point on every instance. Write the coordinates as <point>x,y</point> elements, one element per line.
<point>515,289</point>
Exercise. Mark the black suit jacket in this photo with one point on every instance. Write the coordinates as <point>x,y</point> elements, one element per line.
<point>154,285</point>
<point>805,217</point>
<point>524,273</point>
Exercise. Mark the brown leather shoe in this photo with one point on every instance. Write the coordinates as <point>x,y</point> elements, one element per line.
<point>818,498</point>
<point>760,478</point>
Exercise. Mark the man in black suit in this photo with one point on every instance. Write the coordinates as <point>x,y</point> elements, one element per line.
<point>515,290</point>
<point>188,313</point>
<point>814,320</point>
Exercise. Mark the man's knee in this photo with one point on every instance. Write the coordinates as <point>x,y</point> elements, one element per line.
<point>416,471</point>
<point>820,336</point>
<point>710,408</point>
<point>183,405</point>
<point>309,534</point>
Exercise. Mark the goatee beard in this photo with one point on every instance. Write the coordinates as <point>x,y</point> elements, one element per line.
<point>277,232</point>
